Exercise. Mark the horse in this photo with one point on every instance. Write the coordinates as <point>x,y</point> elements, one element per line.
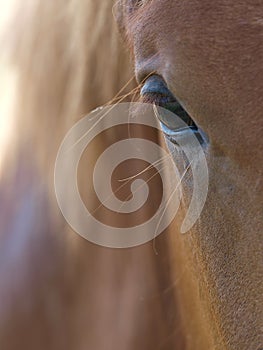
<point>208,56</point>
<point>200,290</point>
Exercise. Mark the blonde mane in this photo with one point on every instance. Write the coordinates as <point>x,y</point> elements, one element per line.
<point>62,291</point>
<point>69,59</point>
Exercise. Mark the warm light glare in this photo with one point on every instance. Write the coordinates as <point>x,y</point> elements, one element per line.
<point>7,84</point>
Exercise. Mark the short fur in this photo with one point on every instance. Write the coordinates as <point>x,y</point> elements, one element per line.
<point>210,55</point>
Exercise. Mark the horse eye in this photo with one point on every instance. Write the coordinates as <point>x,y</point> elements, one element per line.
<point>175,121</point>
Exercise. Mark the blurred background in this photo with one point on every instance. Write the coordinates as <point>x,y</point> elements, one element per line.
<point>59,60</point>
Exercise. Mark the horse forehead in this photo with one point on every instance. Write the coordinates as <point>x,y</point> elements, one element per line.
<point>193,16</point>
